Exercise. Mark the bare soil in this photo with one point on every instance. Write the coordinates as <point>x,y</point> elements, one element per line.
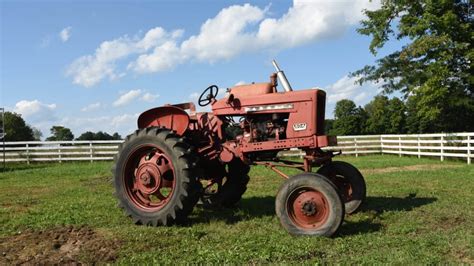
<point>65,245</point>
<point>418,167</point>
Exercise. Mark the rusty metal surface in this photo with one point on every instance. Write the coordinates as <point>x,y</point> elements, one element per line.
<point>170,117</point>
<point>150,178</point>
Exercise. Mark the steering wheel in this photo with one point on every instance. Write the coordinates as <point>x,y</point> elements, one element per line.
<point>207,95</point>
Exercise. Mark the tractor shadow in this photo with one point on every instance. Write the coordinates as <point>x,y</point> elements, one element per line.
<point>246,209</point>
<point>258,207</point>
<point>374,208</point>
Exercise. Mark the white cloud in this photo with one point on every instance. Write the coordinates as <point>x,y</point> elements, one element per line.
<point>39,115</point>
<point>91,107</point>
<point>127,97</point>
<point>89,70</point>
<point>347,88</point>
<point>65,34</point>
<point>148,97</point>
<point>35,111</point>
<point>124,124</point>
<point>240,83</point>
<point>194,96</point>
<point>234,30</point>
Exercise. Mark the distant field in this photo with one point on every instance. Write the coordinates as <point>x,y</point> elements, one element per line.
<point>417,211</point>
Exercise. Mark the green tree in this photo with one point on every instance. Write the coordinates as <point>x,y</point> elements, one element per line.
<point>16,128</point>
<point>434,69</point>
<point>397,117</point>
<point>349,119</point>
<point>116,136</point>
<point>385,116</point>
<point>59,133</point>
<point>88,135</point>
<point>378,115</point>
<point>328,125</point>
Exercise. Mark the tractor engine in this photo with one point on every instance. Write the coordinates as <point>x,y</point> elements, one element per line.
<point>264,127</point>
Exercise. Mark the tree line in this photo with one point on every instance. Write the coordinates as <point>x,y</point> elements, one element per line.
<point>17,129</point>
<point>384,116</point>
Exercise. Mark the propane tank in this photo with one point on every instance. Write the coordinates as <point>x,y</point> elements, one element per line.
<point>282,78</point>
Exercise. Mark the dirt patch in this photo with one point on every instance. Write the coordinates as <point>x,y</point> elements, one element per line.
<point>63,245</point>
<point>418,167</point>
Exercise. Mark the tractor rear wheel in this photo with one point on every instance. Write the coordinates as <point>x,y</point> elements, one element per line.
<point>154,177</point>
<point>349,181</point>
<point>229,191</point>
<point>309,204</point>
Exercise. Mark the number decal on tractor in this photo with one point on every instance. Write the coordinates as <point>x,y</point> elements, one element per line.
<point>299,126</point>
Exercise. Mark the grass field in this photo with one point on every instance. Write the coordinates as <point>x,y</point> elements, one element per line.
<point>417,211</point>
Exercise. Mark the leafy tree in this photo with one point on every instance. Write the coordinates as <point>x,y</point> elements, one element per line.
<point>60,133</point>
<point>434,69</point>
<point>328,125</point>
<point>88,135</point>
<point>16,129</point>
<point>116,136</point>
<point>349,119</point>
<point>385,116</point>
<point>397,117</point>
<point>378,115</point>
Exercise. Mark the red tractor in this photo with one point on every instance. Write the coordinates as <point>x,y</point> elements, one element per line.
<point>178,157</point>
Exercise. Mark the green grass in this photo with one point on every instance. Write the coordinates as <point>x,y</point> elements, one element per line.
<point>413,214</point>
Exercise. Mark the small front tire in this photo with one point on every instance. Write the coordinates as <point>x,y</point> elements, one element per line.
<point>309,204</point>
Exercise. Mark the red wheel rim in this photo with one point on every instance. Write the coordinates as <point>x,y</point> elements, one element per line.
<point>343,185</point>
<point>149,177</point>
<point>308,208</point>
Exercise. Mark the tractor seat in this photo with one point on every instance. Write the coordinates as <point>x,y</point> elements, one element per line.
<point>251,90</point>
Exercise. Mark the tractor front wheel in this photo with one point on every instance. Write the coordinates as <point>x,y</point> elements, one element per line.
<point>308,204</point>
<point>349,181</point>
<point>154,177</point>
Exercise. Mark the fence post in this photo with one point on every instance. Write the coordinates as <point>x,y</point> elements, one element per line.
<point>468,149</point>
<point>399,146</point>
<point>59,151</point>
<point>27,154</point>
<point>381,144</point>
<point>355,143</point>
<point>419,150</point>
<point>90,151</point>
<point>442,148</point>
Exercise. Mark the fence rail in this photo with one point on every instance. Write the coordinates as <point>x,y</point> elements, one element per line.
<point>442,145</point>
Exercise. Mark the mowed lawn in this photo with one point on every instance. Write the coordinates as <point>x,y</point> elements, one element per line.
<point>417,211</point>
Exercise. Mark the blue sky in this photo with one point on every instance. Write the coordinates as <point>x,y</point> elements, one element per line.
<point>95,65</point>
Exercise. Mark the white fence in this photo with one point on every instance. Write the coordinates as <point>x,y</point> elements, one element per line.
<point>40,151</point>
<point>443,145</point>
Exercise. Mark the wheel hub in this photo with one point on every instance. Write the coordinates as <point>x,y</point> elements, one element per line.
<point>148,178</point>
<point>309,208</point>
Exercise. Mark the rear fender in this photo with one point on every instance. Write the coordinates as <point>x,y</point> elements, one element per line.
<point>170,117</point>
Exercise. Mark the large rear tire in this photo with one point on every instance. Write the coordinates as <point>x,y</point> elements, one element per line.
<point>349,181</point>
<point>309,204</point>
<point>154,177</point>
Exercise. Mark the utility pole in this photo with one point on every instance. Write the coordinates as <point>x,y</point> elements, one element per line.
<point>2,133</point>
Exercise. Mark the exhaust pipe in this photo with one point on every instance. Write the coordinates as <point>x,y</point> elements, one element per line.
<point>282,78</point>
